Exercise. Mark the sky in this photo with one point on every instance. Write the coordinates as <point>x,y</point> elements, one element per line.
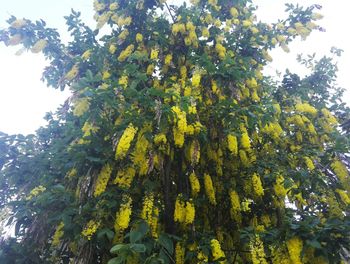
<point>24,99</point>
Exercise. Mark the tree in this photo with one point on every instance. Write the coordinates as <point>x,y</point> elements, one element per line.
<point>174,147</point>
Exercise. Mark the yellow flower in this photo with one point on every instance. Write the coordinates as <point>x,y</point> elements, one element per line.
<point>181,126</point>
<point>72,73</point>
<point>125,141</point>
<point>278,187</point>
<point>124,34</point>
<point>150,69</point>
<point>122,218</point>
<point>309,163</point>
<point>221,50</point>
<point>244,158</point>
<point>39,46</point>
<point>126,53</point>
<point>179,211</point>
<point>216,250</point>
<point>306,108</point>
<point>114,6</point>
<point>344,196</point>
<point>18,23</point>
<point>57,235</point>
<point>86,55</point>
<point>234,12</point>
<point>340,170</point>
<point>139,156</point>
<point>196,79</point>
<point>232,144</point>
<point>160,139</point>
<point>168,59</point>
<point>179,254</point>
<point>125,177</point>
<point>209,189</point>
<point>106,75</point>
<point>123,81</point>
<point>139,37</point>
<point>81,106</point>
<point>195,185</point>
<point>36,191</point>
<point>90,229</point>
<point>102,179</point>
<point>257,251</point>
<point>205,32</point>
<point>246,23</point>
<point>245,141</point>
<point>154,54</point>
<point>112,49</point>
<point>295,246</point>
<point>190,213</point>
<point>257,185</point>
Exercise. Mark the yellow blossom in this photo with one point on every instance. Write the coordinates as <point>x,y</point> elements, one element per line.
<point>113,6</point>
<point>306,108</point>
<point>179,254</point>
<point>246,23</point>
<point>125,141</point>
<point>278,187</point>
<point>123,81</point>
<point>72,73</point>
<point>57,235</point>
<point>245,141</point>
<point>81,106</point>
<point>112,49</point>
<point>216,250</point>
<point>196,79</point>
<point>209,189</point>
<point>106,75</point>
<point>309,163</point>
<point>36,191</point>
<point>257,185</point>
<point>122,218</point>
<point>195,185</point>
<point>123,35</point>
<point>90,229</point>
<point>139,37</point>
<point>232,144</point>
<point>344,196</point>
<point>221,50</point>
<point>18,23</point>
<point>295,246</point>
<point>160,139</point>
<point>102,179</point>
<point>234,12</point>
<point>257,251</point>
<point>154,54</point>
<point>126,53</point>
<point>150,69</point>
<point>39,46</point>
<point>168,59</point>
<point>125,177</point>
<point>205,32</point>
<point>86,55</point>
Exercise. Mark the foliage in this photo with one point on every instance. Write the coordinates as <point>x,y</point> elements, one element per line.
<point>174,147</point>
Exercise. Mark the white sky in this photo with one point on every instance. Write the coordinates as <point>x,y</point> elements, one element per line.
<point>24,99</point>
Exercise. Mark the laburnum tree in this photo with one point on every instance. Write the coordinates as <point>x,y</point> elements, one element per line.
<point>174,147</point>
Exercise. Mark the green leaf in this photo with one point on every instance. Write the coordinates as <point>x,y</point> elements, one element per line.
<point>167,243</point>
<point>115,261</point>
<point>139,248</point>
<point>115,249</point>
<point>139,232</point>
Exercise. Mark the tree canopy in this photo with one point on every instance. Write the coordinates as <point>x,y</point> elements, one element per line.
<point>175,147</point>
